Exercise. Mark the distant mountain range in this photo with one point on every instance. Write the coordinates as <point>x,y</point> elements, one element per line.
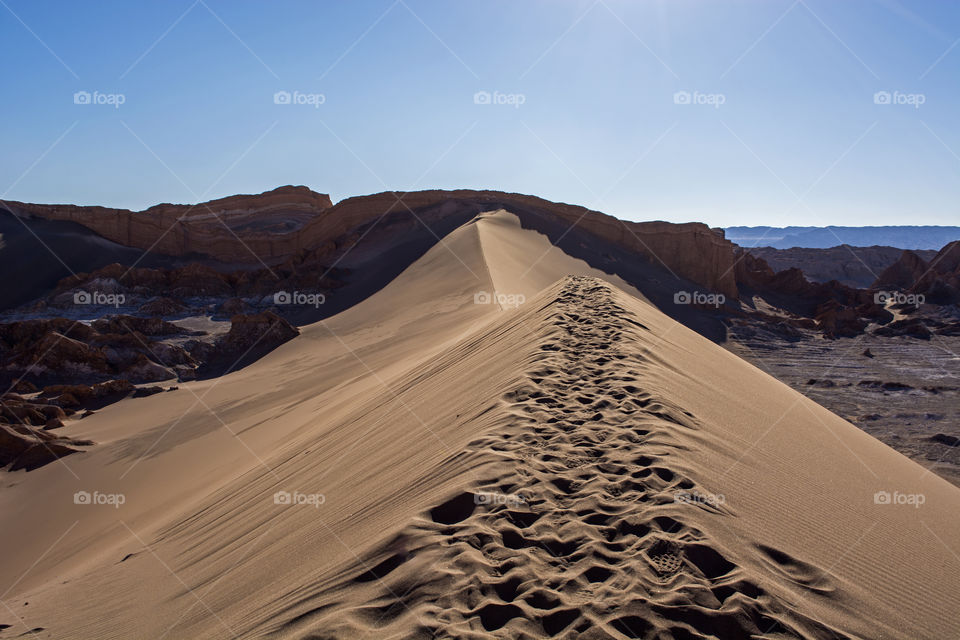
<point>901,237</point>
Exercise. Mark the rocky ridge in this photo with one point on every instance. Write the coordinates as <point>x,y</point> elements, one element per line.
<point>856,267</point>
<point>265,222</point>
<point>276,225</point>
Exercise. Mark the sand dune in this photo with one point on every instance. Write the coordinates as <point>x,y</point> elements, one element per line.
<point>561,461</point>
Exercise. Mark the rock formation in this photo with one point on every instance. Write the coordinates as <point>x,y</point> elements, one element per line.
<point>61,351</point>
<point>274,226</point>
<point>266,223</point>
<point>856,267</point>
<point>168,292</point>
<point>938,280</point>
<point>902,274</point>
<point>26,438</point>
<point>293,239</point>
<point>250,337</point>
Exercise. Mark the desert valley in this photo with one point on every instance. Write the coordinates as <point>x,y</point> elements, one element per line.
<point>426,320</point>
<point>468,414</point>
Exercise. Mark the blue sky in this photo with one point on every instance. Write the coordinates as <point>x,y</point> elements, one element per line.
<point>760,112</point>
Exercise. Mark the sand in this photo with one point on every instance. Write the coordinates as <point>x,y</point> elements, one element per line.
<point>567,462</point>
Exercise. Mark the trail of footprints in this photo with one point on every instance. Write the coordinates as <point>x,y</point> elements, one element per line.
<point>583,537</point>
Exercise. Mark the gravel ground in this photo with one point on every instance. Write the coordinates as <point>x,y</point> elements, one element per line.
<point>905,392</point>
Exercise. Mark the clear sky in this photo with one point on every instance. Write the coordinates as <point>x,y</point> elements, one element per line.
<point>760,112</point>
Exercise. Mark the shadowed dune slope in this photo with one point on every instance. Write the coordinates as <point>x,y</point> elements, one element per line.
<point>567,462</point>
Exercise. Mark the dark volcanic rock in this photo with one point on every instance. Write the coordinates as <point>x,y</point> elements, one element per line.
<point>912,327</point>
<point>942,438</point>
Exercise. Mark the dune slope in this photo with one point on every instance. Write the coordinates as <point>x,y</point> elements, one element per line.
<point>580,466</point>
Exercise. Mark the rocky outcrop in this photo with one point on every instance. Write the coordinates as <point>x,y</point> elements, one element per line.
<point>62,351</point>
<point>947,259</point>
<point>902,274</point>
<point>856,267</point>
<point>838,321</point>
<point>941,284</point>
<point>910,327</point>
<point>23,447</point>
<point>250,337</point>
<point>58,354</point>
<point>248,331</point>
<point>937,280</point>
<point>161,306</point>
<point>838,310</point>
<point>754,273</point>
<point>26,438</point>
<point>86,396</point>
<point>195,287</point>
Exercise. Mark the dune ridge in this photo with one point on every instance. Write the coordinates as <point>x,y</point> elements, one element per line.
<point>577,526</point>
<point>552,469</point>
